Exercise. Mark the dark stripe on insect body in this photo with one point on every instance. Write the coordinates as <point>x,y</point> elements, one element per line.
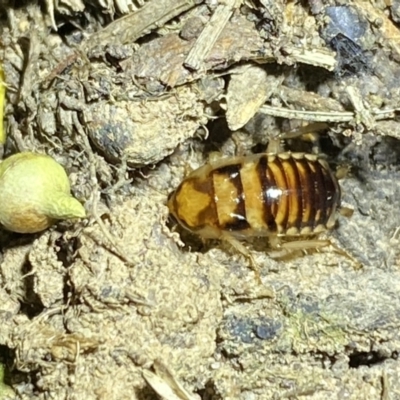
<point>307,193</point>
<point>322,195</point>
<point>267,181</point>
<point>319,190</point>
<point>239,221</point>
<point>209,213</point>
<point>337,193</point>
<point>332,192</point>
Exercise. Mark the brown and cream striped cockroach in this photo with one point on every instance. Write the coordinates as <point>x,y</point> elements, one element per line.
<point>273,195</point>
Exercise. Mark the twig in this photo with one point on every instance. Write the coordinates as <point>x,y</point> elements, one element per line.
<point>323,116</point>
<point>207,38</point>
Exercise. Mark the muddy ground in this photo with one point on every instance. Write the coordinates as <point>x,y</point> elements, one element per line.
<point>129,97</point>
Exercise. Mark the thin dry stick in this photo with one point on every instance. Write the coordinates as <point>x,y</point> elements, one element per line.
<point>323,116</point>
<point>362,114</point>
<point>323,58</point>
<point>207,38</point>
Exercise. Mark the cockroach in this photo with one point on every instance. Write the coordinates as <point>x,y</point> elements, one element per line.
<point>274,195</point>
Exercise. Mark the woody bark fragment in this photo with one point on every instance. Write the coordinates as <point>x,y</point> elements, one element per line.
<point>249,88</point>
<point>162,59</point>
<point>131,27</point>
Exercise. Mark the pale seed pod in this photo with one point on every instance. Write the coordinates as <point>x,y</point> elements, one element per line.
<point>35,193</point>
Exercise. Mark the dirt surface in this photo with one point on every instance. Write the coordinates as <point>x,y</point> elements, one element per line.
<point>129,97</point>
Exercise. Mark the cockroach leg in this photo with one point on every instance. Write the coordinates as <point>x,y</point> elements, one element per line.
<point>288,249</point>
<point>239,247</point>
